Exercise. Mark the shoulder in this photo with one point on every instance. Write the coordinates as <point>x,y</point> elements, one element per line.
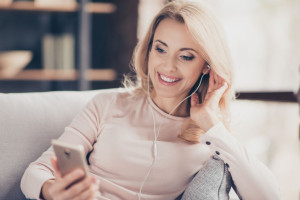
<point>117,97</point>
<point>109,95</point>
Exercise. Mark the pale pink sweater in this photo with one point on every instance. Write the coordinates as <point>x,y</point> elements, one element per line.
<point>117,126</point>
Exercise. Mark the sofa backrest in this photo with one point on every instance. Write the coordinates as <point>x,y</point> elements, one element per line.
<point>28,122</point>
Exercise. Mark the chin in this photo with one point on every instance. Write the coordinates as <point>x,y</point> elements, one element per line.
<point>166,94</point>
<point>171,92</point>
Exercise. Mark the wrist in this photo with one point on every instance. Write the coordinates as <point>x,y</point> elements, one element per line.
<point>45,188</point>
<point>210,122</point>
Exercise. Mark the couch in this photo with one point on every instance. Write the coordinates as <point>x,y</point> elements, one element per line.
<point>28,122</point>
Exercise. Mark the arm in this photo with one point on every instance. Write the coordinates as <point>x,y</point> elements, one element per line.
<point>83,130</point>
<point>252,179</point>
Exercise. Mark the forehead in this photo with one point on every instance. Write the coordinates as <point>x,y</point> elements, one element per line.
<point>174,34</point>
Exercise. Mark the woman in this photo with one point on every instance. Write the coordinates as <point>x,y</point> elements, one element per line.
<point>147,142</point>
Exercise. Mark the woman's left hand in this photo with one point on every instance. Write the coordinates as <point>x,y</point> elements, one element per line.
<point>206,114</point>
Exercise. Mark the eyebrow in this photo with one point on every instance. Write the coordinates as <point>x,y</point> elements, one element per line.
<point>182,49</point>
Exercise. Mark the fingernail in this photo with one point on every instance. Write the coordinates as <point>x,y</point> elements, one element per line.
<point>96,187</point>
<point>79,172</point>
<point>95,180</point>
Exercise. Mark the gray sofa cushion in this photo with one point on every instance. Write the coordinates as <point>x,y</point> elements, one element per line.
<point>212,182</point>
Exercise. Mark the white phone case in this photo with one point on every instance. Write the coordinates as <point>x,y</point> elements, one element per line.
<point>69,157</point>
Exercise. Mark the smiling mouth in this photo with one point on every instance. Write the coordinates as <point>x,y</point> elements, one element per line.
<point>168,79</point>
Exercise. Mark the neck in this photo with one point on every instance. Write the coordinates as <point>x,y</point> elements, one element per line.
<point>168,105</point>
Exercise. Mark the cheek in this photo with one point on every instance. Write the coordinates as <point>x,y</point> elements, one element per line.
<point>155,59</point>
<point>192,76</point>
<point>194,71</point>
<point>192,79</point>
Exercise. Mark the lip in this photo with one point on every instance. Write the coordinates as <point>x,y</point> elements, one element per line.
<point>167,83</point>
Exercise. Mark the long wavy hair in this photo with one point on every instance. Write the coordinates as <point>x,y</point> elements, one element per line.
<point>208,34</point>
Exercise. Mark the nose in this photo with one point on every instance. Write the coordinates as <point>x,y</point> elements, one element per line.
<point>170,64</point>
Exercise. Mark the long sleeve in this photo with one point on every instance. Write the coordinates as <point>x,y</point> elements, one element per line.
<point>83,130</point>
<point>253,180</point>
<point>118,128</point>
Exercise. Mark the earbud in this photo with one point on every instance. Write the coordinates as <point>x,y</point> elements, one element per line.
<point>206,71</point>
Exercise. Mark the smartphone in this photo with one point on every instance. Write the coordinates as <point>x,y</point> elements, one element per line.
<point>69,157</point>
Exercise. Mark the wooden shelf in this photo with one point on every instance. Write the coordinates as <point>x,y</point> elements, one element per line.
<point>100,8</point>
<point>31,6</point>
<point>63,75</point>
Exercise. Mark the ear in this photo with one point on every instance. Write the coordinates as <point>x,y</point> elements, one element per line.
<point>206,69</point>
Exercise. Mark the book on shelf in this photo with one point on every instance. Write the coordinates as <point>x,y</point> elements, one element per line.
<point>58,51</point>
<point>48,51</point>
<point>55,3</point>
<point>5,2</point>
<point>65,46</point>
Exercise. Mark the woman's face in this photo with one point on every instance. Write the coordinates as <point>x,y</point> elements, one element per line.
<point>175,63</point>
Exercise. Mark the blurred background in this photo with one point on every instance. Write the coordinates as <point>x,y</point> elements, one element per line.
<point>51,45</point>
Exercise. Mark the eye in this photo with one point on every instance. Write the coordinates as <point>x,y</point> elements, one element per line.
<point>159,50</point>
<point>187,58</point>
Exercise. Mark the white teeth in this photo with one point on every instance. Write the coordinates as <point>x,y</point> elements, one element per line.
<point>167,79</point>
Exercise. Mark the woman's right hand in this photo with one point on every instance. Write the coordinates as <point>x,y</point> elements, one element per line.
<point>60,188</point>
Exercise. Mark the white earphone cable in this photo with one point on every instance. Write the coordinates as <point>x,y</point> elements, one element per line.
<point>158,131</point>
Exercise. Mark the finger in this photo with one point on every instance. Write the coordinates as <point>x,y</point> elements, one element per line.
<point>221,90</point>
<point>220,81</point>
<point>55,166</point>
<point>211,81</point>
<point>224,86</point>
<point>78,188</point>
<point>89,193</point>
<point>194,99</point>
<point>216,95</point>
<point>70,178</point>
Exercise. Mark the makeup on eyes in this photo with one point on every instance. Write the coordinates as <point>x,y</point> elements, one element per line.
<point>186,56</point>
<point>159,50</point>
<point>181,49</point>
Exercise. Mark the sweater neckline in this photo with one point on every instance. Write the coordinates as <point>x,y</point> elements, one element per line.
<point>153,105</point>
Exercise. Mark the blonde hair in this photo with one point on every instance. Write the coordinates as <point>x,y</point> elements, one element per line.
<point>207,32</point>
